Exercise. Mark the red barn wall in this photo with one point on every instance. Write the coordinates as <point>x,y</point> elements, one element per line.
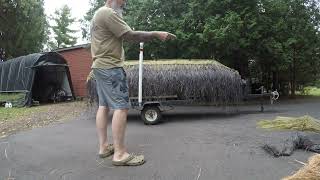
<point>79,61</point>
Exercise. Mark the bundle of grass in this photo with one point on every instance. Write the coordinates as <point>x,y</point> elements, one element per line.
<point>91,90</point>
<point>304,123</point>
<point>310,171</point>
<point>203,81</point>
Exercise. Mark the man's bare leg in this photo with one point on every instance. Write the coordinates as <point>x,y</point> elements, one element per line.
<point>119,124</point>
<point>102,124</point>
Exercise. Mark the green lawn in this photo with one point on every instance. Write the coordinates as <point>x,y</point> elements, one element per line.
<point>315,91</point>
<point>7,114</point>
<point>13,120</point>
<point>16,99</point>
<point>310,91</point>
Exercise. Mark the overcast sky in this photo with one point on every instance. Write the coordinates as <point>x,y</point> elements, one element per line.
<point>78,9</point>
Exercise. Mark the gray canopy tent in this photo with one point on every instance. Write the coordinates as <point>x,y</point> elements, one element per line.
<point>42,77</point>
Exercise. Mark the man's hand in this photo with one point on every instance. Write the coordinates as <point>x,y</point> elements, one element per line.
<point>164,36</point>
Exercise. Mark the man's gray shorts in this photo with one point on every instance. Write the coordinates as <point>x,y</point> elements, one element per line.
<point>112,88</point>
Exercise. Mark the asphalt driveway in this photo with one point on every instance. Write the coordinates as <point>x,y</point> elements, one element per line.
<point>193,143</point>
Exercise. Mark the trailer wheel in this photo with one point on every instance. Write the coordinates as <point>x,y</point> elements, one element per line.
<point>151,115</point>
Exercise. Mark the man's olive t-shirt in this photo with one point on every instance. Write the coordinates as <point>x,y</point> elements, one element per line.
<point>107,28</point>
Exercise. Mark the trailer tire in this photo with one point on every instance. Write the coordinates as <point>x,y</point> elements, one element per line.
<point>151,115</point>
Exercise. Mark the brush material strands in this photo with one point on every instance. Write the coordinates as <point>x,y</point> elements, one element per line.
<point>310,171</point>
<point>92,94</point>
<point>304,123</point>
<point>203,81</point>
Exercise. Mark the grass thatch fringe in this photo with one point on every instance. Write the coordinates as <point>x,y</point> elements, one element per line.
<point>311,171</point>
<point>304,123</point>
<point>92,94</point>
<point>211,83</point>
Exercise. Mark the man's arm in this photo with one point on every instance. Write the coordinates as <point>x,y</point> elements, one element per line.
<point>144,36</point>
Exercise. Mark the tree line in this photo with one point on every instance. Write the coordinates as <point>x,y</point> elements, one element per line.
<point>275,43</point>
<point>25,28</point>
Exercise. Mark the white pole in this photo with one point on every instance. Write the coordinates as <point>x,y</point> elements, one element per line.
<point>140,74</point>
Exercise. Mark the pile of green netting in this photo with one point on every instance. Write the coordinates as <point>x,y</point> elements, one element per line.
<point>304,123</point>
<point>306,138</point>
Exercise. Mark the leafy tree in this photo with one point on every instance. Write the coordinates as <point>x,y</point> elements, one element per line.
<point>287,52</point>
<point>281,38</point>
<point>23,27</point>
<point>94,6</point>
<point>61,30</point>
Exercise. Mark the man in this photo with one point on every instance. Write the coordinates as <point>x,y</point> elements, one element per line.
<point>108,30</point>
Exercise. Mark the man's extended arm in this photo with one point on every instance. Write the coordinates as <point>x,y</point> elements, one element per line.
<point>144,36</point>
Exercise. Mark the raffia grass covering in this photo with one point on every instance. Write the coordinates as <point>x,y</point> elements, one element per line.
<point>175,62</point>
<point>92,95</point>
<point>310,171</point>
<point>304,123</point>
<point>207,81</point>
<point>201,80</point>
